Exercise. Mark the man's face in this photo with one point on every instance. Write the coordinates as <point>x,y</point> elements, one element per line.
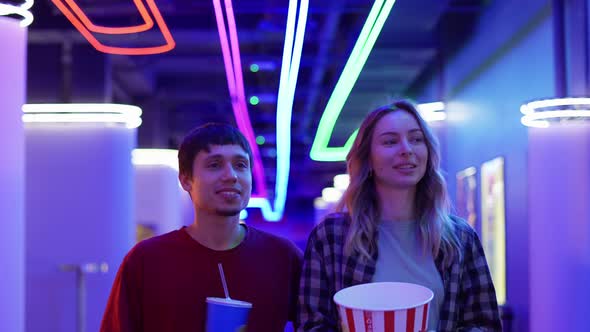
<point>221,183</point>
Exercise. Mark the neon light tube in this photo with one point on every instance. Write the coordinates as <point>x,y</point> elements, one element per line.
<point>170,44</point>
<point>239,107</point>
<point>289,71</point>
<point>148,22</point>
<point>163,157</point>
<point>361,50</point>
<point>541,113</point>
<point>83,113</point>
<point>22,10</point>
<point>288,81</point>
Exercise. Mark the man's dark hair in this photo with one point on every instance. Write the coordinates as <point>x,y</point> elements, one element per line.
<point>202,137</point>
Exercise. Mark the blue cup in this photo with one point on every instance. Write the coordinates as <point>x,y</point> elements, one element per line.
<point>227,315</point>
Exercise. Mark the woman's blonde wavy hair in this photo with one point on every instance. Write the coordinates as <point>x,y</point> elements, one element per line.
<point>432,208</point>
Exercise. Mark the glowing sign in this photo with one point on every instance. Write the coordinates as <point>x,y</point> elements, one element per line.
<point>22,10</point>
<point>75,15</point>
<point>83,113</point>
<point>493,223</point>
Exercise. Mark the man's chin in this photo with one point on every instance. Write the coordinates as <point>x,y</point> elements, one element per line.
<point>228,213</point>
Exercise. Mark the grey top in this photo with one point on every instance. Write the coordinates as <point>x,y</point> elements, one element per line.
<point>402,259</point>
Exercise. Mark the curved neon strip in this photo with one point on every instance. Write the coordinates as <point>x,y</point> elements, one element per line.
<point>170,44</point>
<point>148,22</point>
<point>288,81</point>
<point>83,113</point>
<point>22,10</point>
<point>320,150</point>
<point>239,107</point>
<point>164,157</point>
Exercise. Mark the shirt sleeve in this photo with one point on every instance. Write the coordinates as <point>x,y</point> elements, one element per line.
<point>315,307</point>
<point>123,310</point>
<point>479,305</point>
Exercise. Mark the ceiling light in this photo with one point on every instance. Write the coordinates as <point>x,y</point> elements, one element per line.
<point>22,10</point>
<point>254,100</point>
<point>543,113</point>
<point>83,113</point>
<point>260,140</point>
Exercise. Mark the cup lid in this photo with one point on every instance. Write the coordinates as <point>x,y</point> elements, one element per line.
<point>229,302</point>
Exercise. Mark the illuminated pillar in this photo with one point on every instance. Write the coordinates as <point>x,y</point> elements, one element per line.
<point>158,195</point>
<point>12,96</point>
<point>79,210</point>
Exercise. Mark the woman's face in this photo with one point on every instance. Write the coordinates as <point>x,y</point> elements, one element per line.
<point>398,151</point>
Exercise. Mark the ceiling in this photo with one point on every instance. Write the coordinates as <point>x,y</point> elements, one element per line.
<point>187,86</point>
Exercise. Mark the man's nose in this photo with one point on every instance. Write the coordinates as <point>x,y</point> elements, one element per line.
<point>230,173</point>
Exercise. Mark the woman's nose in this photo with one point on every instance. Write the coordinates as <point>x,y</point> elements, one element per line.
<point>405,147</point>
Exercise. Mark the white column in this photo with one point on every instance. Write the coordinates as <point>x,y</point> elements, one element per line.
<point>559,225</point>
<point>13,39</point>
<point>158,198</point>
<point>79,210</point>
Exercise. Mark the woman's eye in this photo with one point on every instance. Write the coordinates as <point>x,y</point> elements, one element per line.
<point>213,165</point>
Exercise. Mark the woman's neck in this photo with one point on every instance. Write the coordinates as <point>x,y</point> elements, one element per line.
<point>397,204</point>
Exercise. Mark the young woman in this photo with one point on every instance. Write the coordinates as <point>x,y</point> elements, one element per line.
<point>393,224</point>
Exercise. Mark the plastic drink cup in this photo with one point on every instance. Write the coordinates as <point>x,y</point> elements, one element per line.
<point>384,307</point>
<point>227,315</point>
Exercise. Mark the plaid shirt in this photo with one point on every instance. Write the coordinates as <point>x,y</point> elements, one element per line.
<point>470,299</point>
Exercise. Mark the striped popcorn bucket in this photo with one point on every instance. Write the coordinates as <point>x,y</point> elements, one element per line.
<point>384,307</point>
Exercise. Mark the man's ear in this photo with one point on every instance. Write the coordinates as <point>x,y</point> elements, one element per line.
<point>185,182</point>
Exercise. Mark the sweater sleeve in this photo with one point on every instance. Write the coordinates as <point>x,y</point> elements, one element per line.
<point>123,309</point>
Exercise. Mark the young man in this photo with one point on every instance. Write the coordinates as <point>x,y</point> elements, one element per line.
<point>163,282</point>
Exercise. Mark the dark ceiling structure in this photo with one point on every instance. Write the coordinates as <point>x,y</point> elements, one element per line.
<point>187,86</point>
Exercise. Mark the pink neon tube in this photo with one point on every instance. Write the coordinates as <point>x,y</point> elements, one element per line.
<point>236,89</point>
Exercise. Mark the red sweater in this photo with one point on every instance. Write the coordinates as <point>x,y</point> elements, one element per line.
<point>163,282</point>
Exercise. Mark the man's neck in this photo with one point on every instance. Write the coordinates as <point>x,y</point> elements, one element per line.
<point>218,233</point>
